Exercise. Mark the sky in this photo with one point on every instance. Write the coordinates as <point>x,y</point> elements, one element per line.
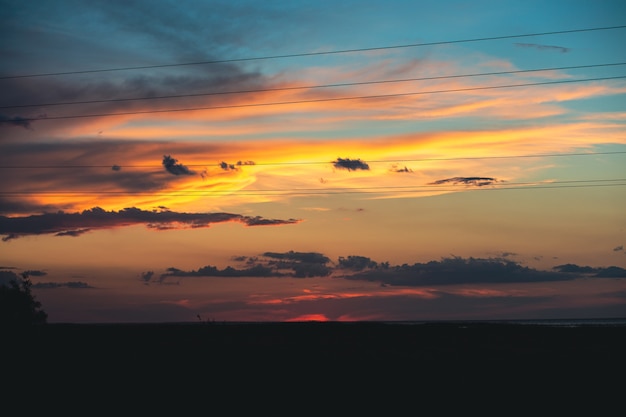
<point>180,161</point>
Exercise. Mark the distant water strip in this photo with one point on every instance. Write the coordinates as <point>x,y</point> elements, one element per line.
<point>595,322</point>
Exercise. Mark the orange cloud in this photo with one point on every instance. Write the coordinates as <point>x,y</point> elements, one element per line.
<point>282,169</point>
<point>313,109</point>
<point>337,294</point>
<point>488,292</point>
<point>289,163</point>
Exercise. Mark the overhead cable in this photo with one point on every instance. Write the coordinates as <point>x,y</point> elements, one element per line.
<point>188,109</point>
<point>341,190</point>
<point>251,164</point>
<point>304,54</point>
<point>309,87</point>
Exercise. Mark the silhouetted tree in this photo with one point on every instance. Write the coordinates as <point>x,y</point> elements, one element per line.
<point>18,307</point>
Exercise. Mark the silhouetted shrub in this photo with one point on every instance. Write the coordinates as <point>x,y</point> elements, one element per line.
<point>18,307</point>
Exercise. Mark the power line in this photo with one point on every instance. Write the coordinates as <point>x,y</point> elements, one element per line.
<point>318,162</point>
<point>264,90</point>
<point>448,159</point>
<point>344,51</point>
<point>343,190</point>
<point>456,90</point>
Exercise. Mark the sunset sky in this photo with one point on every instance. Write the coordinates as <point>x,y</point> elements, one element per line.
<point>167,161</point>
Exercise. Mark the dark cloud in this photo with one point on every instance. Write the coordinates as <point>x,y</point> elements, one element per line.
<point>232,167</point>
<point>611,272</point>
<point>93,171</point>
<point>73,233</point>
<point>618,248</point>
<point>301,264</point>
<point>270,264</point>
<point>458,270</point>
<point>350,164</point>
<point>7,277</point>
<point>241,163</point>
<point>226,166</point>
<point>508,254</point>
<point>73,224</point>
<point>70,284</point>
<point>147,276</point>
<point>120,92</point>
<point>543,47</point>
<point>401,170</point>
<point>229,272</point>
<point>357,263</point>
<point>173,167</point>
<point>475,181</point>
<point>15,121</point>
<point>260,221</point>
<point>448,271</point>
<point>16,205</point>
<point>309,257</point>
<point>600,272</point>
<point>111,94</point>
<point>575,269</point>
<point>34,273</point>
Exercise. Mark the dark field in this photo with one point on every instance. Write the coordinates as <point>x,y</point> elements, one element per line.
<point>334,339</point>
<point>416,344</point>
<point>520,362</point>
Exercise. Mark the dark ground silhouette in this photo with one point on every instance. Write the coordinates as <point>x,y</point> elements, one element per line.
<point>318,368</point>
<point>417,344</point>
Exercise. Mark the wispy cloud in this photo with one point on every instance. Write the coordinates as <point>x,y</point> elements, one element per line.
<point>475,181</point>
<point>561,49</point>
<point>35,273</point>
<point>69,284</point>
<point>395,168</point>
<point>73,233</point>
<point>15,121</point>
